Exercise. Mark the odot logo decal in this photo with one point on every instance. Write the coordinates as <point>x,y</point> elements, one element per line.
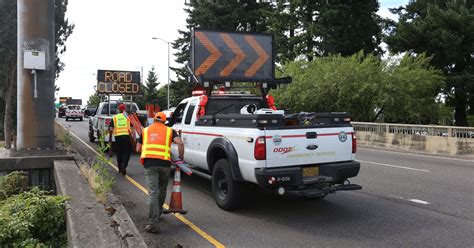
<point>277,140</point>
<point>343,136</point>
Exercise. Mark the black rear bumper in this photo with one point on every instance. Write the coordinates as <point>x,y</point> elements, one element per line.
<point>291,178</point>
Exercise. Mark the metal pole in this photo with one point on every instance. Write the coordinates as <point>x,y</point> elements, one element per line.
<point>35,120</point>
<point>168,75</point>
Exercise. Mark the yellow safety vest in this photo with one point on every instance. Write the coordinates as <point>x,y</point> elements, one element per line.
<point>121,125</point>
<point>157,140</point>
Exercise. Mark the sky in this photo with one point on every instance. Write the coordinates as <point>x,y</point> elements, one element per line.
<point>117,35</point>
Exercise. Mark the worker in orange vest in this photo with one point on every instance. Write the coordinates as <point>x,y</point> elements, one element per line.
<point>156,158</point>
<point>120,128</point>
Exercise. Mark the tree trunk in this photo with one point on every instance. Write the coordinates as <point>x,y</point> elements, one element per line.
<point>460,102</point>
<point>7,122</point>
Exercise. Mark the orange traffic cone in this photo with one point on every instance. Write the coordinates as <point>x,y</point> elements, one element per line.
<point>176,201</point>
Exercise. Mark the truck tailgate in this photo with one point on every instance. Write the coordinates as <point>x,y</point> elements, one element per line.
<point>308,146</point>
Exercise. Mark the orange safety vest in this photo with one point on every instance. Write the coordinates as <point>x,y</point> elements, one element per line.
<point>121,125</point>
<point>156,143</point>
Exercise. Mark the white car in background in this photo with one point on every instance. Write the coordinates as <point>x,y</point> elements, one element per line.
<point>74,112</point>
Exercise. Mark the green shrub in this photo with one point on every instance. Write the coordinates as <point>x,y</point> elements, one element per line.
<point>33,219</point>
<point>13,184</point>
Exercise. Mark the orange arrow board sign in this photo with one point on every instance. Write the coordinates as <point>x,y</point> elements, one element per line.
<point>262,56</point>
<point>239,55</point>
<point>215,54</point>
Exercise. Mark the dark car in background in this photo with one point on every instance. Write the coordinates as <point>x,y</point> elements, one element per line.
<point>89,111</point>
<point>62,112</point>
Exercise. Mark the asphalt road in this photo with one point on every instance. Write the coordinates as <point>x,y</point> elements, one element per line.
<point>407,200</point>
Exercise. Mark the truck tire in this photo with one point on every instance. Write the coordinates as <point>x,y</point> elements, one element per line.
<point>80,119</point>
<point>67,119</point>
<point>91,136</point>
<point>227,192</point>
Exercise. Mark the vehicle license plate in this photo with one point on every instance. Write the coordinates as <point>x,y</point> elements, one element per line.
<point>310,171</point>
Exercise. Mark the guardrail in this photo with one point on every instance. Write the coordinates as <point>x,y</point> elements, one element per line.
<point>425,130</point>
<point>423,138</point>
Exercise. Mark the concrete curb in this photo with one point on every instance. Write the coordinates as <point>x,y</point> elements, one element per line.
<point>126,229</point>
<point>87,223</point>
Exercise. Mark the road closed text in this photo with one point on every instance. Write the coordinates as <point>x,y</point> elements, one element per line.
<point>118,82</point>
<point>117,88</point>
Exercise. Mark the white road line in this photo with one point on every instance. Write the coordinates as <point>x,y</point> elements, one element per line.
<point>419,155</point>
<point>419,201</point>
<point>408,199</point>
<point>394,166</point>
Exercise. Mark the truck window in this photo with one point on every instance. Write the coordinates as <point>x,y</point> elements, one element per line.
<point>113,109</point>
<point>189,113</point>
<point>178,113</point>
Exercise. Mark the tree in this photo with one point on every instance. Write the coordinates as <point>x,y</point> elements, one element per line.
<point>63,29</point>
<point>333,83</point>
<point>363,86</point>
<point>315,28</point>
<point>8,55</point>
<point>444,30</point>
<point>151,93</point>
<point>94,100</point>
<point>8,64</point>
<point>410,90</point>
<point>346,27</point>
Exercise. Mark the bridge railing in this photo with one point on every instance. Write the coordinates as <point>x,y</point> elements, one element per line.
<point>419,138</point>
<point>409,129</point>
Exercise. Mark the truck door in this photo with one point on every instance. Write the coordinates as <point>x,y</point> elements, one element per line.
<point>187,126</point>
<point>177,123</point>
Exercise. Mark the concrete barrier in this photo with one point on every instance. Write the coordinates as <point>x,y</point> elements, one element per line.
<point>442,140</point>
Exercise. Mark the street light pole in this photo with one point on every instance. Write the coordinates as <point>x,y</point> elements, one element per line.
<point>169,79</point>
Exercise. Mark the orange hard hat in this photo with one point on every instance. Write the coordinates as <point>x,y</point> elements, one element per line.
<point>160,116</point>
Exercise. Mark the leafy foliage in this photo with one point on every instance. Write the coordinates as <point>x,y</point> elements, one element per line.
<point>33,218</point>
<point>94,100</point>
<point>363,86</point>
<point>13,184</point>
<point>410,91</point>
<point>103,180</point>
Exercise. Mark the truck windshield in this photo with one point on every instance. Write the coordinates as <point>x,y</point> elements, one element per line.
<point>114,110</point>
<point>72,107</point>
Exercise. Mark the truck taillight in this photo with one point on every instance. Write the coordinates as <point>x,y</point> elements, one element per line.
<point>354,143</point>
<point>107,122</point>
<point>260,152</point>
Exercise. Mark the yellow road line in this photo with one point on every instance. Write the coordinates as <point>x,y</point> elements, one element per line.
<point>180,217</point>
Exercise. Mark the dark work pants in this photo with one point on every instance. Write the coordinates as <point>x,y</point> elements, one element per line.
<point>123,147</point>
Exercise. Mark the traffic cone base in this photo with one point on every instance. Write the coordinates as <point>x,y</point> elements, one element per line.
<point>176,200</point>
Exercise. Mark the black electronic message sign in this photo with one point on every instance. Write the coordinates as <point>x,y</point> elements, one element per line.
<point>232,56</point>
<point>118,82</point>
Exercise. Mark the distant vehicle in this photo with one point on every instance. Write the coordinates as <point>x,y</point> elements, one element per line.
<point>62,111</point>
<point>74,112</point>
<point>89,111</point>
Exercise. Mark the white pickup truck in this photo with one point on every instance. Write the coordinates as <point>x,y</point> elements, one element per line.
<point>104,114</point>
<point>74,112</point>
<point>240,141</point>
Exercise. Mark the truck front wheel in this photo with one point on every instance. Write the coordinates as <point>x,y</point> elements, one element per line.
<point>227,192</point>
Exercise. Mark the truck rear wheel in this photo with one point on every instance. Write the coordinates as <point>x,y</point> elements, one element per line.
<point>227,192</point>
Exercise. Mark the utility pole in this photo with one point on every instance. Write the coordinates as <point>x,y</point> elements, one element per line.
<point>35,96</point>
